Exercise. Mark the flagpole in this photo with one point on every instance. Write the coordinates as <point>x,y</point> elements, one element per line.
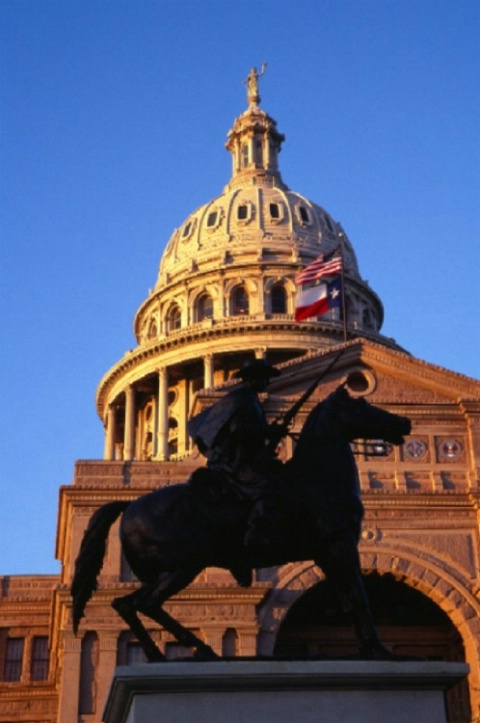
<point>344,306</point>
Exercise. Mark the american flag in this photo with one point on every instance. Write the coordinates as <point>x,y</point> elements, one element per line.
<point>318,269</point>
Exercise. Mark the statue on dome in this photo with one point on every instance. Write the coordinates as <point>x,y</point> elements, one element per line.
<point>251,81</point>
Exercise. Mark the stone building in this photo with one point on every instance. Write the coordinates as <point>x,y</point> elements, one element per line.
<point>225,293</point>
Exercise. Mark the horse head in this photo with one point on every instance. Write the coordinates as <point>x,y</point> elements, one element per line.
<point>361,420</point>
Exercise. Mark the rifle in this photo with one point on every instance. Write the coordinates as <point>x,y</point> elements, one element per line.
<point>295,408</point>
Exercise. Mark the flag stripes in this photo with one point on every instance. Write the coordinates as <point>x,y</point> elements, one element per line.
<point>319,269</point>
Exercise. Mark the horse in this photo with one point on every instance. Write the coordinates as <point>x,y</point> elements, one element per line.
<point>170,535</point>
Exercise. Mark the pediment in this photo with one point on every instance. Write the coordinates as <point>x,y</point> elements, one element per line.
<point>392,376</point>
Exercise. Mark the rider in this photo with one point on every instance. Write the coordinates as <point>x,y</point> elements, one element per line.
<point>240,446</point>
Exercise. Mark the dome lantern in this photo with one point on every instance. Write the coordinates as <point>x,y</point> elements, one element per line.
<point>255,142</point>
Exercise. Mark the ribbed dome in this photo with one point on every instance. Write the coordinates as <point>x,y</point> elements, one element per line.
<point>256,217</point>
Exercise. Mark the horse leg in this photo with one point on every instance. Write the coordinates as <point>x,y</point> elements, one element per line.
<point>150,604</point>
<point>341,565</point>
<point>126,608</point>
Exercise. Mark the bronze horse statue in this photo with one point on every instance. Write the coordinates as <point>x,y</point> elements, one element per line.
<point>170,535</point>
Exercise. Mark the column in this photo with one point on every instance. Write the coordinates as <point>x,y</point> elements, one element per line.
<point>266,151</point>
<point>221,311</point>
<point>162,420</point>
<point>208,371</point>
<point>110,433</point>
<point>69,689</point>
<point>183,438</point>
<point>129,438</point>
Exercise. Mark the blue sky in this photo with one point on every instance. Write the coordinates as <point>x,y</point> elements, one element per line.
<point>114,115</point>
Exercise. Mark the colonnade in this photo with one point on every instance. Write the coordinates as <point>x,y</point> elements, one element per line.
<point>161,410</point>
<point>161,435</point>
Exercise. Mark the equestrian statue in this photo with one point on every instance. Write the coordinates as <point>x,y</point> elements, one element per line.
<point>245,509</point>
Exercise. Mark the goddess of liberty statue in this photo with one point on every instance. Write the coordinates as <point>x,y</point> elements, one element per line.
<point>251,81</point>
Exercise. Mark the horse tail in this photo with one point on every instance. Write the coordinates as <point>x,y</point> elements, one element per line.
<point>90,558</point>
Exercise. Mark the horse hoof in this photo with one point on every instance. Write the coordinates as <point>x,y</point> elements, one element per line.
<point>375,652</point>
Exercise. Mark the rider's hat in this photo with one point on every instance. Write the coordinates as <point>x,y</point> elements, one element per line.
<point>256,368</point>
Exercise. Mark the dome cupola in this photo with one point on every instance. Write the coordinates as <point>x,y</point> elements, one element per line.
<point>255,142</point>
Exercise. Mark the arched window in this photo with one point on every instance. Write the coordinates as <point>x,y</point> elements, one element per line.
<point>204,307</point>
<point>278,299</point>
<point>230,643</point>
<point>152,329</point>
<point>174,318</point>
<point>367,320</point>
<point>239,305</point>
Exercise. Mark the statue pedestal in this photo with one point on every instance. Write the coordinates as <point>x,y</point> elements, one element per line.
<point>276,691</point>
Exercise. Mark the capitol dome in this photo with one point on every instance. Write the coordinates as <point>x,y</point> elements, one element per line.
<point>225,292</point>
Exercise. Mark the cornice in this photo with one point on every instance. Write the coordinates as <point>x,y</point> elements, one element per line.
<point>411,499</point>
<point>223,329</point>
<point>195,593</point>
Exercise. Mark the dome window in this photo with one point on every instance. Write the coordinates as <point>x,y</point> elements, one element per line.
<point>276,212</point>
<point>188,229</point>
<point>245,155</point>
<point>303,215</point>
<point>245,212</point>
<point>204,308</point>
<point>212,219</point>
<point>174,318</point>
<point>279,299</point>
<point>239,302</point>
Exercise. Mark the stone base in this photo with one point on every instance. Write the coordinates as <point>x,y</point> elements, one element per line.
<point>246,691</point>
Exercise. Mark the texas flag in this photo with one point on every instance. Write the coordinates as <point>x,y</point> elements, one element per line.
<point>318,300</point>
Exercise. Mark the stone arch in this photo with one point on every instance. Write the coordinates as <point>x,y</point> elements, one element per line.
<point>289,584</point>
<point>210,289</point>
<point>444,585</point>
<point>250,284</point>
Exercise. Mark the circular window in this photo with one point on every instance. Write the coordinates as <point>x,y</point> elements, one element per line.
<point>360,382</point>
